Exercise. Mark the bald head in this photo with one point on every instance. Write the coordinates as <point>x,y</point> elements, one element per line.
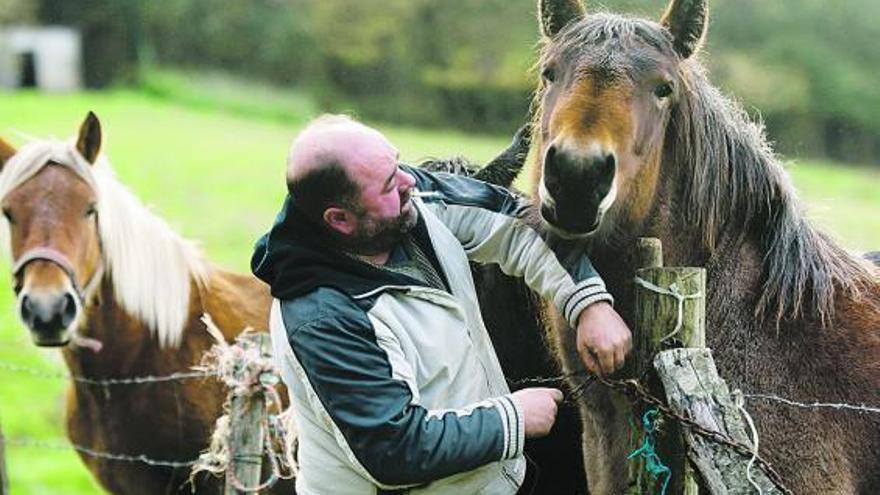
<point>334,140</point>
<point>327,158</point>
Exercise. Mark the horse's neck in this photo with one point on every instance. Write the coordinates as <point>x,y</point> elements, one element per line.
<point>128,347</point>
<point>734,258</point>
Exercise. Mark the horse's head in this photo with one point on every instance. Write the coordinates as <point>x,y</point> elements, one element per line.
<point>50,208</point>
<point>608,87</point>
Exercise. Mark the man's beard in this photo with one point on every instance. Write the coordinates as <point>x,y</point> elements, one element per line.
<point>379,236</point>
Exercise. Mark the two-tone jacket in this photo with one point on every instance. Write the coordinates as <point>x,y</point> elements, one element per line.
<point>395,385</point>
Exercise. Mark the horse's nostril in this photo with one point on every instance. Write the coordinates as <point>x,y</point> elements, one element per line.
<point>610,161</point>
<point>607,168</point>
<point>27,311</point>
<point>551,153</point>
<point>551,169</point>
<point>67,310</point>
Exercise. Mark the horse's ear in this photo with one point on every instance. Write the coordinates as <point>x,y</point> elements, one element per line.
<point>6,152</point>
<point>89,141</point>
<point>553,15</point>
<point>504,168</point>
<point>687,21</point>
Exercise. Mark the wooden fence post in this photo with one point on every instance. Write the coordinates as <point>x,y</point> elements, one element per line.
<point>670,312</point>
<point>4,479</point>
<point>246,428</point>
<point>695,390</point>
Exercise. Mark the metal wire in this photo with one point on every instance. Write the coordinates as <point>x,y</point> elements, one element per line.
<point>64,445</point>
<point>136,380</point>
<point>815,404</point>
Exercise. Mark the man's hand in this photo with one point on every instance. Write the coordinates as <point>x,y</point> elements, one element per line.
<point>539,407</point>
<point>603,339</point>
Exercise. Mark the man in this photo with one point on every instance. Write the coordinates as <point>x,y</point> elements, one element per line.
<point>393,378</point>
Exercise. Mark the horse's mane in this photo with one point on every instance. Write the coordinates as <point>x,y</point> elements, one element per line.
<point>151,267</point>
<point>734,184</point>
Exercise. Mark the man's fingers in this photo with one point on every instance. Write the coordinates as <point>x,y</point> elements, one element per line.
<point>620,356</point>
<point>589,361</point>
<point>556,394</point>
<point>606,361</point>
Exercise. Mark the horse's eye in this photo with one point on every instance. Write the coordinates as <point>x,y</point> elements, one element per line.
<point>663,90</point>
<point>548,74</point>
<point>91,210</point>
<point>8,215</point>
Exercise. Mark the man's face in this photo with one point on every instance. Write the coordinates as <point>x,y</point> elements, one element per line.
<point>385,212</point>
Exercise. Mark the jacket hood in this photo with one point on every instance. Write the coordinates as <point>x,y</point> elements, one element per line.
<point>294,258</point>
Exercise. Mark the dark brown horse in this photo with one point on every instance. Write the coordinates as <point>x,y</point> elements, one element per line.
<point>99,275</point>
<point>634,141</point>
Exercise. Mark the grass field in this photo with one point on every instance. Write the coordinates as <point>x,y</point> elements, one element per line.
<point>218,177</point>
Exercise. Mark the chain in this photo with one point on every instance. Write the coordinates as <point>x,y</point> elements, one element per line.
<point>58,445</point>
<point>137,380</point>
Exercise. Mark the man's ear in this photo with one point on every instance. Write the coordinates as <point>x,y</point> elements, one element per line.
<point>340,220</point>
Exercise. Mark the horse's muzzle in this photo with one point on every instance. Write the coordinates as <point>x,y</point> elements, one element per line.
<point>574,187</point>
<point>48,316</point>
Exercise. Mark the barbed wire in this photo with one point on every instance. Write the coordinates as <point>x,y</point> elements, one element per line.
<point>67,446</point>
<point>815,404</point>
<point>577,392</point>
<point>135,380</point>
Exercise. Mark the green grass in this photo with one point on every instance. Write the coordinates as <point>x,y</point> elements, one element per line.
<point>215,172</point>
<point>843,200</point>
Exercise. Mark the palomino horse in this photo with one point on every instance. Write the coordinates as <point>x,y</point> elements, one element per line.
<point>634,141</point>
<point>101,276</point>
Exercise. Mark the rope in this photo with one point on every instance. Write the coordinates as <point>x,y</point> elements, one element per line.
<point>672,291</point>
<point>136,380</point>
<point>653,464</point>
<point>739,402</point>
<point>247,372</point>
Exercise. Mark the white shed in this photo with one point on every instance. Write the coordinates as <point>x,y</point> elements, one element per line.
<point>48,58</point>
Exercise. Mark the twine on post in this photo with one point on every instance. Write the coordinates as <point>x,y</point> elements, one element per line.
<point>246,372</point>
<point>739,401</point>
<point>672,291</point>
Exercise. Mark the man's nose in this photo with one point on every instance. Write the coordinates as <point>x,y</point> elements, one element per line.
<point>407,182</point>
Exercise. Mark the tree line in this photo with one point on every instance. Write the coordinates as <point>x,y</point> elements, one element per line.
<point>806,67</point>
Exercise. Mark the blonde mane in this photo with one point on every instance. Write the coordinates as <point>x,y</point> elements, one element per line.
<point>150,266</point>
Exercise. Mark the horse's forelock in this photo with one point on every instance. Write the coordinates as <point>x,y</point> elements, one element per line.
<point>27,162</point>
<point>606,31</point>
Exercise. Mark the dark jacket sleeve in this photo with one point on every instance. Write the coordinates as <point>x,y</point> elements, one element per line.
<point>395,441</point>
